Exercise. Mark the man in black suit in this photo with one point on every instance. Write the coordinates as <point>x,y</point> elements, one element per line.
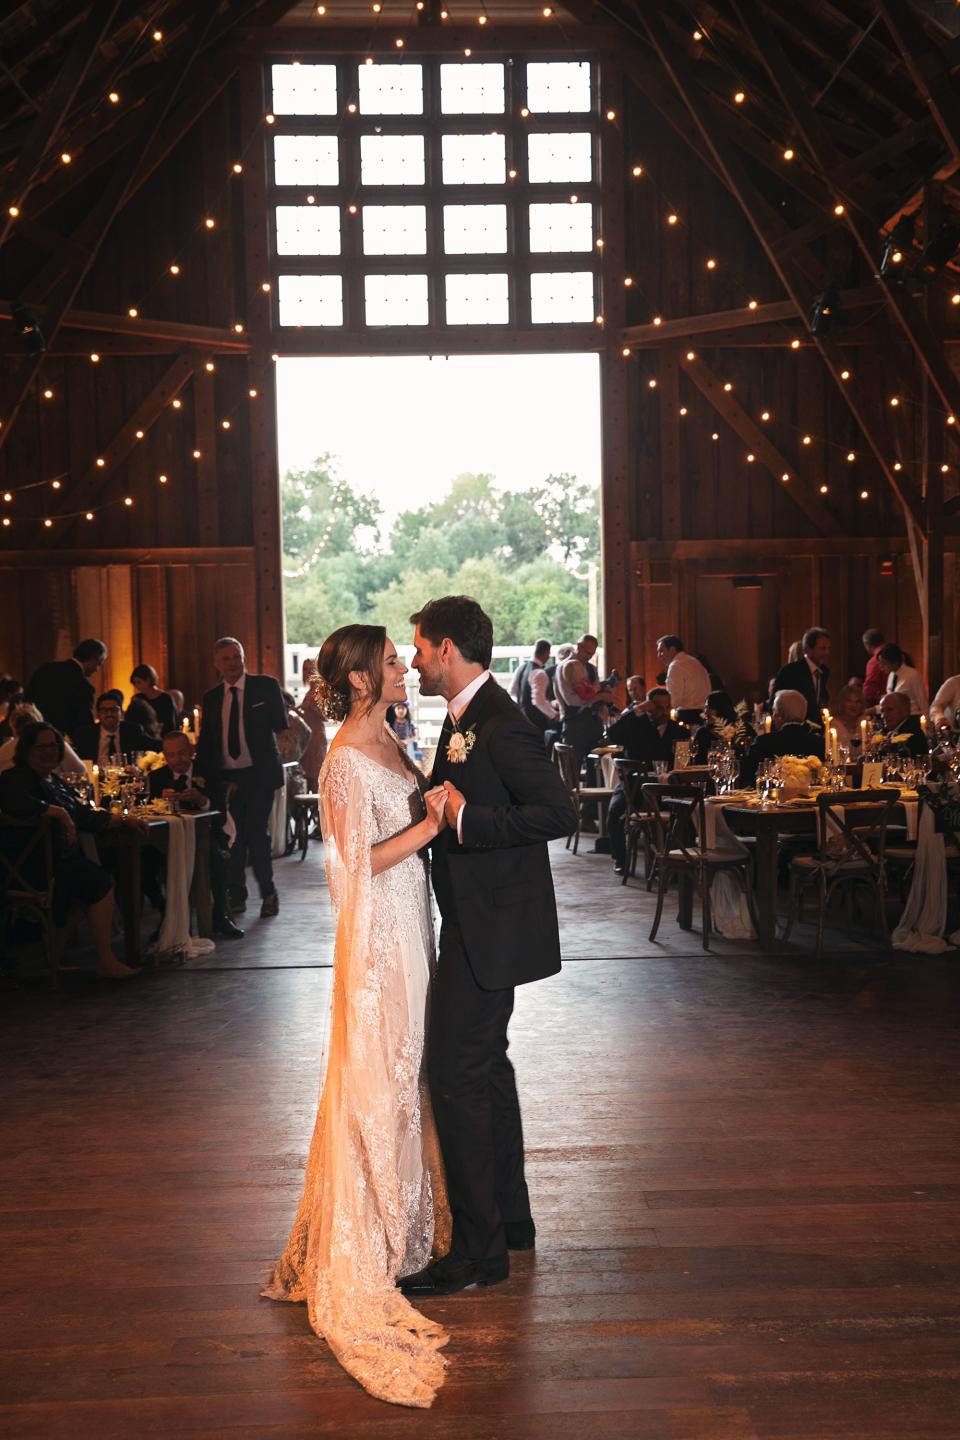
<point>902,732</point>
<point>180,778</point>
<point>240,721</point>
<point>809,674</point>
<point>61,689</point>
<point>791,735</point>
<point>647,734</point>
<point>491,876</point>
<point>111,737</point>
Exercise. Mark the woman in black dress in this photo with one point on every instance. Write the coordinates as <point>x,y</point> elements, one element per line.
<point>31,790</point>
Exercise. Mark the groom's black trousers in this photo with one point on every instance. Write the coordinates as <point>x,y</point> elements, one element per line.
<point>475,1104</point>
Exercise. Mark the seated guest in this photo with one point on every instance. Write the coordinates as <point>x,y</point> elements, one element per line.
<point>687,680</point>
<point>809,674</point>
<point>850,711</point>
<point>144,679</point>
<point>31,789</point>
<point>11,695</point>
<point>791,735</point>
<point>112,737</point>
<point>179,779</point>
<point>719,727</point>
<point>647,735</point>
<point>902,677</point>
<point>179,701</point>
<point>71,764</point>
<point>902,733</point>
<point>874,681</point>
<point>61,689</point>
<point>636,690</point>
<point>945,710</point>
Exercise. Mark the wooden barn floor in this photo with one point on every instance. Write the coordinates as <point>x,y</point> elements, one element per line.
<point>744,1172</point>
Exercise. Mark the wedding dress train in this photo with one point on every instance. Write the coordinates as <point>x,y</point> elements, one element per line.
<point>373,1205</point>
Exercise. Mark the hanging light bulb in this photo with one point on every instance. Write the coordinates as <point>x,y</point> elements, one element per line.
<point>114,97</point>
<point>788,153</point>
<point>128,499</point>
<point>174,269</point>
<point>824,489</point>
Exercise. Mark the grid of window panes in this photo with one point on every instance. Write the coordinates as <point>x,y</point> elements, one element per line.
<point>433,193</point>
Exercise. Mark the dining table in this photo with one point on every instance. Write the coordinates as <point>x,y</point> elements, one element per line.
<point>765,823</point>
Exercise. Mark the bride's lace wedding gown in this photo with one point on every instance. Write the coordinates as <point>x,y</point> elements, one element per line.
<point>373,1204</point>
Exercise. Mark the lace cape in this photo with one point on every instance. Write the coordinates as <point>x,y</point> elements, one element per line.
<point>374,1204</point>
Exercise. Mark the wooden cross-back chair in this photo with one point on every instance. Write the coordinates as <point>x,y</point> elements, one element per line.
<point>22,842</point>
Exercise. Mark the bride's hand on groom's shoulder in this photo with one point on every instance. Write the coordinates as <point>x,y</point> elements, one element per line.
<point>435,801</point>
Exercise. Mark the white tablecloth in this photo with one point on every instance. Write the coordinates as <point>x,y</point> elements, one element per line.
<point>277,824</point>
<point>728,903</point>
<point>924,918</point>
<point>175,940</point>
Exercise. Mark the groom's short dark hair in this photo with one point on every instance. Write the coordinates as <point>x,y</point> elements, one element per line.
<point>461,619</point>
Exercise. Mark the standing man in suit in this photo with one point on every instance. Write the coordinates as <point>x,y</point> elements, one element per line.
<point>241,719</point>
<point>111,737</point>
<point>491,876</point>
<point>61,689</point>
<point>809,674</point>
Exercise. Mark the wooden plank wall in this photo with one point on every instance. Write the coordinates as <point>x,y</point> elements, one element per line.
<point>163,608</point>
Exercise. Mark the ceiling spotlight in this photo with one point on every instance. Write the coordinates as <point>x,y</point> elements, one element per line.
<point>28,328</point>
<point>939,251</point>
<point>899,239</point>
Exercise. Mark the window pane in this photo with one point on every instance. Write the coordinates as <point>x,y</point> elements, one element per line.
<point>554,157</point>
<point>474,160</point>
<point>561,298</point>
<point>396,299</point>
<point>391,160</point>
<point>391,89</point>
<point>310,299</point>
<point>475,229</point>
<point>561,227</point>
<point>305,89</point>
<point>558,85</point>
<point>478,300</point>
<point>306,160</point>
<point>471,89</point>
<point>308,230</point>
<point>395,229</point>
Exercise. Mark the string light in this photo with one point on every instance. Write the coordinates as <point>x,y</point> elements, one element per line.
<point>658,320</point>
<point>100,464</point>
<point>751,304</point>
<point>637,171</point>
<point>321,9</point>
<point>739,97</point>
<point>714,435</point>
<point>7,521</point>
<point>162,479</point>
<point>765,415</point>
<point>238,328</point>
<point>48,524</point>
<point>851,456</point>
<point>253,394</point>
<point>955,299</point>
<point>824,489</point>
<point>210,223</point>
<point>897,466</point>
<point>691,354</point>
<point>114,97</point>
<point>158,36</point>
<point>628,281</point>
<point>177,404</point>
<point>133,312</point>
<point>225,424</point>
<point>547,12</point>
<point>750,457</point>
<point>788,153</point>
<point>785,476</point>
<point>711,264</point>
<point>844,374</point>
<point>839,209</point>
<point>265,287</point>
<point>611,114</point>
<point>197,454</point>
<point>89,515</point>
<point>55,485</point>
<point>399,43</point>
<point>13,211</point>
<point>48,394</point>
<point>864,494</point>
<point>66,158</point>
<point>672,218</point>
<point>95,358</point>
<point>652,384</point>
<point>174,269</point>
<point>139,434</point>
<point>728,386</point>
<point>794,344</point>
<point>808,439</point>
<point>683,409</point>
<point>698,35</point>
<point>894,401</point>
<point>128,499</point>
<point>209,367</point>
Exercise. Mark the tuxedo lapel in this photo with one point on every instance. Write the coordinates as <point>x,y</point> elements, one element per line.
<point>440,758</point>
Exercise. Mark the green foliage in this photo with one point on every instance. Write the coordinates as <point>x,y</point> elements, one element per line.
<point>513,550</point>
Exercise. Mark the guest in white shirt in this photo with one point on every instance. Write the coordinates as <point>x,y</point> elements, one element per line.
<point>687,680</point>
<point>945,710</point>
<point>903,678</point>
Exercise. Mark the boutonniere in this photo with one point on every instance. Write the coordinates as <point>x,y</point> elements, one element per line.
<point>460,744</point>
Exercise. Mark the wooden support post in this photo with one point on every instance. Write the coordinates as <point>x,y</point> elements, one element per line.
<point>262,375</point>
<point>94,229</point>
<point>56,105</point>
<point>756,442</point>
<point>205,440</point>
<point>616,499</point>
<point>77,498</point>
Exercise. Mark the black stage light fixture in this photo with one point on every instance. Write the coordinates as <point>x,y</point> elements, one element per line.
<point>898,243</point>
<point>28,328</point>
<point>826,312</point>
<point>938,251</point>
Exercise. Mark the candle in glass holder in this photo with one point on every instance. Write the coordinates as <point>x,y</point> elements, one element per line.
<point>768,723</point>
<point>834,748</point>
<point>95,777</point>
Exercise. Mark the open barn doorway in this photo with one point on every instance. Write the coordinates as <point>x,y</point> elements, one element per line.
<point>405,477</point>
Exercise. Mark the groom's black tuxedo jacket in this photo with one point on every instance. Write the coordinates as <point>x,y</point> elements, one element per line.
<point>497,887</point>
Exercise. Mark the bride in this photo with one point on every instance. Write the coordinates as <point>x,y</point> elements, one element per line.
<point>373,1205</point>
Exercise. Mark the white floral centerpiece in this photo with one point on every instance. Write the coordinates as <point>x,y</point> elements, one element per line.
<point>151,760</point>
<point>798,773</point>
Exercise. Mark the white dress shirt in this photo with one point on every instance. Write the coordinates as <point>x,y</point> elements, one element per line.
<point>909,682</point>
<point>455,709</point>
<point>103,757</point>
<point>946,703</point>
<point>688,682</point>
<point>244,760</point>
<point>539,680</point>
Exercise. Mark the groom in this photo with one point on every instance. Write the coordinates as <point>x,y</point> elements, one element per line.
<point>491,876</point>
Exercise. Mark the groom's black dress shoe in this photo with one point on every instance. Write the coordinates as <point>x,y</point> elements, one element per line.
<point>447,1276</point>
<point>521,1234</point>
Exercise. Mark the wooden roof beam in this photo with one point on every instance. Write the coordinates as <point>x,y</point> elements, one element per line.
<point>94,230</point>
<point>202,337</point>
<point>928,69</point>
<point>55,108</point>
<point>865,409</point>
<point>690,325</point>
<point>799,487</point>
<point>908,315</point>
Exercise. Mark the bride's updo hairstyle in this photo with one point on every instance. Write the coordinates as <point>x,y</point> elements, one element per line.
<point>351,648</point>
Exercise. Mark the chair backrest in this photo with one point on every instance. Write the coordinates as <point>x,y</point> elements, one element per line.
<point>632,775</point>
<point>20,841</point>
<point>565,759</point>
<point>858,817</point>
<point>667,836</point>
